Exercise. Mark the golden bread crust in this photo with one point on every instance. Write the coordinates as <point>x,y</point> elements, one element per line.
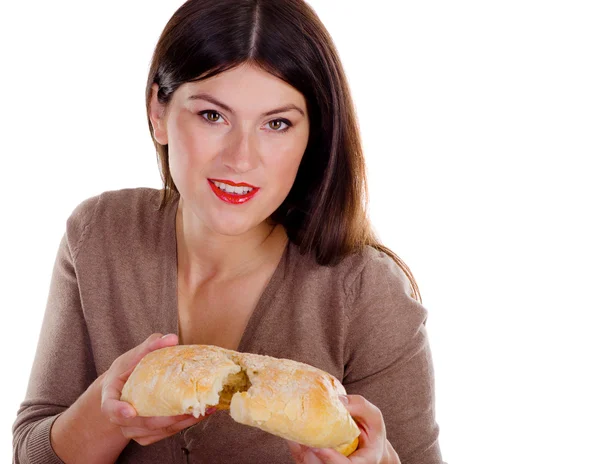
<point>287,398</point>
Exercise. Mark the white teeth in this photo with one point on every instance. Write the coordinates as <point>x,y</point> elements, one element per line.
<point>232,189</point>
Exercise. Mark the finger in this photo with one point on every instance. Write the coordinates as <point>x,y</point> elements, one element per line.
<point>365,456</point>
<point>116,410</point>
<point>302,454</point>
<point>368,417</point>
<point>145,441</point>
<point>155,423</point>
<point>130,359</point>
<point>124,365</point>
<point>167,430</point>
<point>162,423</point>
<point>330,456</point>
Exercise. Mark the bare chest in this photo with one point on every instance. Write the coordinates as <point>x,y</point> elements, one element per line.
<point>217,314</point>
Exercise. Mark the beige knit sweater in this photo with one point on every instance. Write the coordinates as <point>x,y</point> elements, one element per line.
<point>115,282</point>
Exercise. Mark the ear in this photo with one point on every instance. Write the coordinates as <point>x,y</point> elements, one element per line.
<point>158,117</point>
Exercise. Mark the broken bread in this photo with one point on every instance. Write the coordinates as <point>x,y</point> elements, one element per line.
<point>287,398</point>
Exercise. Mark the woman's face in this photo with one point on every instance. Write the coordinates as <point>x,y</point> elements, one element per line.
<point>235,144</point>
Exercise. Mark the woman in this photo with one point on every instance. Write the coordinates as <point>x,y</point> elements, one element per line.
<point>258,242</point>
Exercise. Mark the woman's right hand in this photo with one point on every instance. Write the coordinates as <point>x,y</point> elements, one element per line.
<point>143,430</point>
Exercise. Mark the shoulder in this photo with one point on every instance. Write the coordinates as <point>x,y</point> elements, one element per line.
<point>113,205</point>
<point>372,269</point>
<point>385,323</point>
<point>358,276</point>
<point>377,287</point>
<point>114,211</point>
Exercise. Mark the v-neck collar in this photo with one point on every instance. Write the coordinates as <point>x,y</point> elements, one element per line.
<point>264,301</point>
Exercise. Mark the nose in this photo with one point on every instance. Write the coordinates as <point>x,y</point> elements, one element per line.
<point>241,153</point>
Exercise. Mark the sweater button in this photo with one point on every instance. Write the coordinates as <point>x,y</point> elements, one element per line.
<point>186,453</point>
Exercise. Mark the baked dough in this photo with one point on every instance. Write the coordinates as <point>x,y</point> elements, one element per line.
<point>287,398</point>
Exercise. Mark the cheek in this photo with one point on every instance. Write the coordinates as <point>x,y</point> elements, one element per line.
<point>284,164</point>
<point>190,147</point>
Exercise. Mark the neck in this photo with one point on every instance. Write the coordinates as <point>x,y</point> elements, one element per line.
<point>205,255</point>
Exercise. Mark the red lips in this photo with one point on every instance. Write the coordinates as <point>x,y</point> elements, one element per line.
<point>233,198</point>
<point>233,184</point>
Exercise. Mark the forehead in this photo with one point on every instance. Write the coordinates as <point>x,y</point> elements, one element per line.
<point>246,87</point>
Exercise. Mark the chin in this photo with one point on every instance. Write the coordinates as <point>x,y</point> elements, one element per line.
<point>232,227</point>
<point>233,221</point>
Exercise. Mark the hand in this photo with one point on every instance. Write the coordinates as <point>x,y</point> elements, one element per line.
<point>143,430</point>
<point>373,447</point>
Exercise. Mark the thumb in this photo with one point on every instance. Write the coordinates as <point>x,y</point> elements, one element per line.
<point>154,342</point>
<point>157,341</point>
<point>123,366</point>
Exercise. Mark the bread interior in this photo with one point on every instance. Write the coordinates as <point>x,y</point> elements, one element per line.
<point>238,382</point>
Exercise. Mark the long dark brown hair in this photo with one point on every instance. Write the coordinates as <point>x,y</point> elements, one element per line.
<point>325,212</point>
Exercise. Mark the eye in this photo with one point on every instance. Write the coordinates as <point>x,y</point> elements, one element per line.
<point>276,125</point>
<point>210,115</point>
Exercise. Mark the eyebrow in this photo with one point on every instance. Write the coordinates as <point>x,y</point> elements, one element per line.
<point>214,101</point>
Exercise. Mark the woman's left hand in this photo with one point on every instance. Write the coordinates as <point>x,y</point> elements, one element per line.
<point>373,447</point>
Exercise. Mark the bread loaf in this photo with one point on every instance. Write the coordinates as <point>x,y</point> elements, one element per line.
<point>287,398</point>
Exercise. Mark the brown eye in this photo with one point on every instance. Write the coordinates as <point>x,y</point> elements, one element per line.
<point>213,116</point>
<point>210,115</point>
<point>276,125</point>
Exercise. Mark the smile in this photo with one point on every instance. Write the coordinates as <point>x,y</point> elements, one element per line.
<point>231,192</point>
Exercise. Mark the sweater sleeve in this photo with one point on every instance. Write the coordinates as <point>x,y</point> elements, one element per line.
<point>63,366</point>
<point>388,359</point>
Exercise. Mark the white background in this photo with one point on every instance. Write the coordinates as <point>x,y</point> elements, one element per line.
<point>480,123</point>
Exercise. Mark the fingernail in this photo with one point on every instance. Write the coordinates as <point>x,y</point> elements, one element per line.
<point>210,410</point>
<point>165,336</point>
<point>295,448</point>
<point>343,399</point>
<point>317,451</point>
<point>127,413</point>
